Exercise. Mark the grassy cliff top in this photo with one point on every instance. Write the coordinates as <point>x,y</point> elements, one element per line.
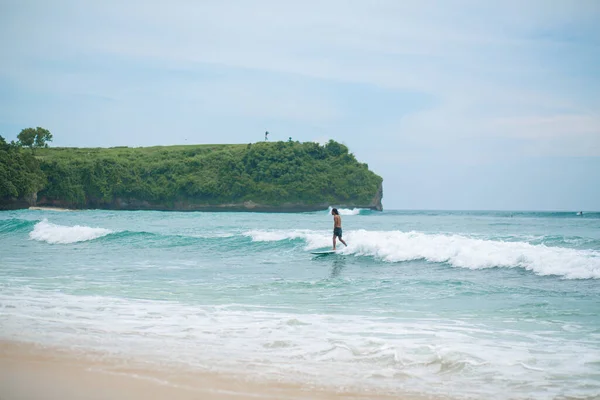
<point>270,173</point>
<point>56,153</point>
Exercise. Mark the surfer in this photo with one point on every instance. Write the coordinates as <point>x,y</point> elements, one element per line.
<point>337,226</point>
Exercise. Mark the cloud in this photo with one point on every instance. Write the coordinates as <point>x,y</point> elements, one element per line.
<point>478,60</point>
<point>554,126</point>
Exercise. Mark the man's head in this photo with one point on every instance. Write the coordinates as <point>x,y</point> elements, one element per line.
<point>334,211</point>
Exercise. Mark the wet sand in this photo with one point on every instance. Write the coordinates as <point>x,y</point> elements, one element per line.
<point>31,372</point>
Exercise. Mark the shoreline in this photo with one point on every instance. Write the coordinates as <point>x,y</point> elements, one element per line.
<point>223,208</point>
<point>61,373</point>
<point>245,207</point>
<point>59,209</point>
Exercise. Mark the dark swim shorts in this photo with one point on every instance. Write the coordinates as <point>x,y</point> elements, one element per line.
<point>337,232</point>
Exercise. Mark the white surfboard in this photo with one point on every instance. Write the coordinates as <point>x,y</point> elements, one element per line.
<point>322,253</point>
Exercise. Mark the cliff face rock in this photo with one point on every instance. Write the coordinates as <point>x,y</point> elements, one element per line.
<point>12,203</point>
<point>376,203</point>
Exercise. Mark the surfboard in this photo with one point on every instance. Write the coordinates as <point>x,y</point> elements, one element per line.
<point>322,253</point>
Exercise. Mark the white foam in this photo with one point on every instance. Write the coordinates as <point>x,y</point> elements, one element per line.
<point>426,353</point>
<point>456,250</point>
<point>347,211</point>
<point>313,239</point>
<point>45,231</point>
<point>465,252</point>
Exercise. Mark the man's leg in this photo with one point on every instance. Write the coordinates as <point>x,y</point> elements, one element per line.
<point>342,240</point>
<point>334,241</point>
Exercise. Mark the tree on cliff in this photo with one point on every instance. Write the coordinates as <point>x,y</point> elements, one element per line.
<point>34,138</point>
<point>20,173</point>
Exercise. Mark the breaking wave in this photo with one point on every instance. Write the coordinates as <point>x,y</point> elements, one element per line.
<point>456,250</point>
<point>45,231</point>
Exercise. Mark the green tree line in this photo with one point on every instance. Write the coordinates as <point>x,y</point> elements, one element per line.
<point>20,172</point>
<point>268,173</point>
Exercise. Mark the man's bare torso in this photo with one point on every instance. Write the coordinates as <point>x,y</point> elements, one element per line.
<point>337,221</point>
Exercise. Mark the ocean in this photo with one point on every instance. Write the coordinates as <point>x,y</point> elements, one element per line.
<point>486,305</point>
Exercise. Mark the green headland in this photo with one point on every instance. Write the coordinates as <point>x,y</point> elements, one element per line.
<point>265,176</point>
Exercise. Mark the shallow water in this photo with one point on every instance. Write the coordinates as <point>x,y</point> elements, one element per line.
<point>467,304</point>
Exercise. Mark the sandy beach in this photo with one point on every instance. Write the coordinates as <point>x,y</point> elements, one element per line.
<point>49,209</point>
<point>31,372</point>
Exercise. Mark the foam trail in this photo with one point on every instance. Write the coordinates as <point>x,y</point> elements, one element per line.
<point>45,231</point>
<point>313,239</point>
<point>355,347</point>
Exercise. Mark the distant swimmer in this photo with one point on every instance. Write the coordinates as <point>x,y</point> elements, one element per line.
<point>580,213</point>
<point>337,227</point>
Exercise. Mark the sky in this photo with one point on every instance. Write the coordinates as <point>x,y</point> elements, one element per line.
<point>469,105</point>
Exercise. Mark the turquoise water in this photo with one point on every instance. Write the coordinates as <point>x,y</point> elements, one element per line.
<point>466,304</point>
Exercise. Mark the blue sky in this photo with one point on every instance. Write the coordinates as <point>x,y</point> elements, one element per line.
<point>457,104</point>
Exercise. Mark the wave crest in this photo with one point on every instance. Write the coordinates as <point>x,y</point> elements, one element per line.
<point>45,231</point>
<point>456,250</point>
<point>347,211</point>
<point>472,253</point>
<point>12,225</point>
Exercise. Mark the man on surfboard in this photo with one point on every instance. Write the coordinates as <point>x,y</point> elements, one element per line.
<point>337,226</point>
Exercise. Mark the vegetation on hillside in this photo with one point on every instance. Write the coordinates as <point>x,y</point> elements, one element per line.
<point>268,173</point>
<point>20,173</point>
